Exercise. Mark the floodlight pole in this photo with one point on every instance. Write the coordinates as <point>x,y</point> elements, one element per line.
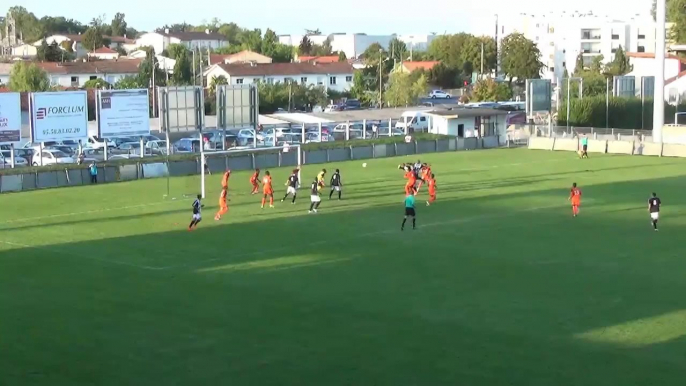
<point>659,92</point>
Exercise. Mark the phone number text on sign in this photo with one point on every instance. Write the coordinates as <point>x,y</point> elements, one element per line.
<point>61,131</point>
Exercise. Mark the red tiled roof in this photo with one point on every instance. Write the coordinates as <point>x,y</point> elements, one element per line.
<point>286,69</point>
<point>126,66</point>
<point>104,50</point>
<point>411,66</point>
<point>674,78</point>
<point>319,59</point>
<point>650,55</point>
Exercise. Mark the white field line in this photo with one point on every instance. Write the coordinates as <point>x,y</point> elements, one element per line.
<point>103,210</point>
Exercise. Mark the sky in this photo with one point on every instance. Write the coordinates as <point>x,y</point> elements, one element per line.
<point>381,17</point>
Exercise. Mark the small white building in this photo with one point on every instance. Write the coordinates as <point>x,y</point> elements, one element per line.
<point>77,47</point>
<point>675,72</point>
<point>5,69</point>
<point>104,53</point>
<point>164,62</point>
<point>192,40</point>
<point>245,56</point>
<point>76,74</point>
<point>333,76</point>
<point>466,122</point>
<point>24,51</point>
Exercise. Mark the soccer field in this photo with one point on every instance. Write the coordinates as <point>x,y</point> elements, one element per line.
<point>499,285</point>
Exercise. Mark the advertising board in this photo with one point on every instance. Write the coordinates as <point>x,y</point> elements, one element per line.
<point>59,116</point>
<point>10,117</point>
<point>539,95</point>
<point>123,113</point>
<point>181,108</point>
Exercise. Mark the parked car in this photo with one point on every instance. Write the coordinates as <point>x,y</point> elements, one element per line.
<point>290,138</point>
<point>439,94</point>
<point>333,108</point>
<point>158,147</point>
<point>314,137</point>
<point>249,133</point>
<point>354,129</point>
<point>353,104</point>
<point>27,154</point>
<point>187,145</point>
<point>51,157</point>
<point>416,121</point>
<point>149,137</point>
<point>6,159</point>
<point>97,142</point>
<point>132,148</point>
<point>68,150</point>
<point>383,132</point>
<point>280,131</point>
<point>96,155</point>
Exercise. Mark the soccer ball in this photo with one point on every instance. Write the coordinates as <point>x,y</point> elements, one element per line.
<point>364,165</point>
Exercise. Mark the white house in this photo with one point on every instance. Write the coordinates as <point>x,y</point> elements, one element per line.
<point>104,53</point>
<point>164,62</point>
<point>467,122</point>
<point>78,48</point>
<point>76,74</point>
<point>561,37</point>
<point>333,76</point>
<point>192,40</point>
<point>245,56</point>
<point>24,51</point>
<point>675,72</point>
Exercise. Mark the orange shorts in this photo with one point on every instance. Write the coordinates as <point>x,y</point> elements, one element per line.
<point>268,191</point>
<point>576,203</point>
<point>432,193</point>
<point>222,204</point>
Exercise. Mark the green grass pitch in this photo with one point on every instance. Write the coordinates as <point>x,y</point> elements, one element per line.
<point>500,285</point>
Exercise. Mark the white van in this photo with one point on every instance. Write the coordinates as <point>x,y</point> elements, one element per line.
<point>416,120</point>
<point>98,143</point>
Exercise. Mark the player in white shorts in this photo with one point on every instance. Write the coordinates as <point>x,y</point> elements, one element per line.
<point>654,209</point>
<point>197,210</point>
<point>292,186</point>
<point>314,196</point>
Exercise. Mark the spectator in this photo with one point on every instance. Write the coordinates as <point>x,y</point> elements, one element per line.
<point>375,131</point>
<point>81,158</point>
<point>94,172</point>
<point>207,167</point>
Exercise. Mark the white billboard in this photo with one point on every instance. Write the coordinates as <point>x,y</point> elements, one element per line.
<point>59,116</point>
<point>10,117</point>
<point>123,113</point>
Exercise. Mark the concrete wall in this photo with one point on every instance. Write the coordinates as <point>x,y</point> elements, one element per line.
<point>541,143</point>
<point>566,144</point>
<point>620,147</point>
<point>116,173</point>
<point>671,150</point>
<point>597,146</point>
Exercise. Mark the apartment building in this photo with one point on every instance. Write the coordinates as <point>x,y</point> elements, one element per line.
<point>562,37</point>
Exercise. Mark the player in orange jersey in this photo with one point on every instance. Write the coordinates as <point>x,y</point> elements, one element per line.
<point>575,198</point>
<point>431,180</point>
<point>225,179</point>
<point>424,176</point>
<point>223,206</point>
<point>267,190</point>
<point>411,180</point>
<point>255,181</point>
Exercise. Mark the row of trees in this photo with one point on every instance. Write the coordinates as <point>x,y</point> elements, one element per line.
<point>33,29</point>
<point>596,74</point>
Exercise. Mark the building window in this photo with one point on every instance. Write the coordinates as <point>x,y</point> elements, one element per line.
<point>551,30</point>
<point>239,81</point>
<point>564,51</point>
<point>303,79</point>
<point>332,80</point>
<point>552,69</point>
<point>552,44</point>
<point>348,78</point>
<point>641,36</point>
<point>74,80</point>
<point>288,80</point>
<point>615,37</point>
<point>614,50</point>
<point>93,77</point>
<point>564,64</point>
<point>641,49</point>
<point>256,81</point>
<point>270,80</point>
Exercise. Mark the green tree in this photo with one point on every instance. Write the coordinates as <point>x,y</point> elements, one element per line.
<point>676,13</point>
<point>342,57</point>
<point>175,50</point>
<point>579,67</point>
<point>282,53</point>
<point>491,91</point>
<point>398,50</point>
<point>145,69</point>
<point>403,90</point>
<point>182,69</point>
<point>322,50</point>
<point>128,83</point>
<point>597,64</point>
<point>520,58</point>
<point>453,50</point>
<point>216,82</point>
<point>251,39</point>
<point>118,24</point>
<point>42,51</point>
<point>269,43</point>
<point>230,31</point>
<point>28,77</point>
<point>443,76</point>
<point>305,46</point>
<point>620,65</point>
<point>28,24</point>
<point>471,53</point>
<point>92,39</point>
<point>97,83</point>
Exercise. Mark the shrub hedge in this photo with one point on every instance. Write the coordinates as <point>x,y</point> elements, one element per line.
<point>624,113</point>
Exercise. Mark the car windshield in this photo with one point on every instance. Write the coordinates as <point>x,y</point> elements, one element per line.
<point>59,154</point>
<point>69,142</point>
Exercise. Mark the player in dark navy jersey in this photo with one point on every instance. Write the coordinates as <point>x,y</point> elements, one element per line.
<point>315,200</point>
<point>654,209</point>
<point>197,217</point>
<point>336,184</point>
<point>292,183</point>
